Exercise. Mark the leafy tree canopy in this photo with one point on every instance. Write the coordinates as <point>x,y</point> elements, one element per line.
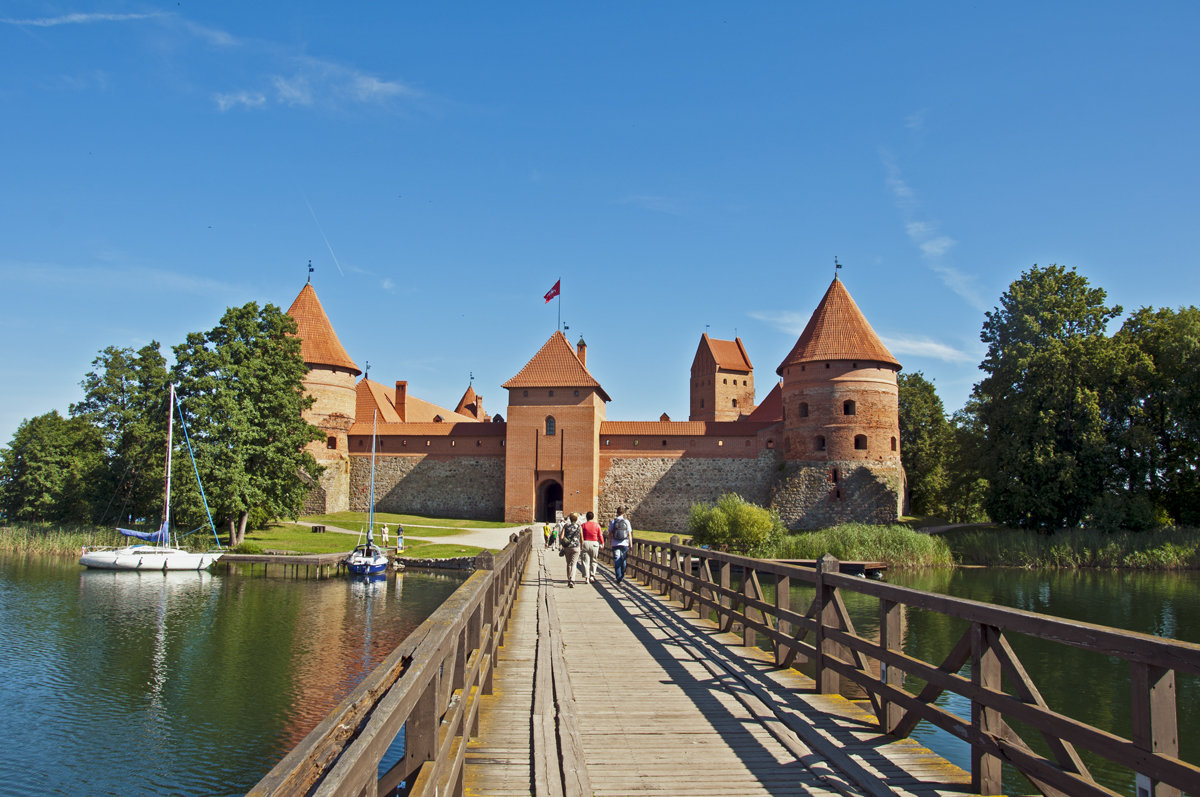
<point>735,525</point>
<point>243,399</point>
<point>925,440</point>
<point>49,470</point>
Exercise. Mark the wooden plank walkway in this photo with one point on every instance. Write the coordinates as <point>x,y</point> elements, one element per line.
<point>655,702</point>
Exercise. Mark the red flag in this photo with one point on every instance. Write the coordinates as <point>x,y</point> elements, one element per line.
<point>550,294</point>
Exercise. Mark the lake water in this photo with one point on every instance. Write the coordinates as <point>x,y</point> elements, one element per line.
<point>181,683</point>
<point>1086,686</point>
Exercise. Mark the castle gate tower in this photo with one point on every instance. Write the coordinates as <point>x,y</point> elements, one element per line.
<point>330,381</point>
<point>841,437</point>
<point>722,381</point>
<point>552,457</point>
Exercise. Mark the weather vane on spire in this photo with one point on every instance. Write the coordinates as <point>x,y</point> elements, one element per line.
<point>367,369</point>
<point>310,271</point>
<point>472,373</point>
<point>836,266</point>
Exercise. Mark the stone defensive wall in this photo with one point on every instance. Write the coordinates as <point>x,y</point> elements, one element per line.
<point>469,487</point>
<point>660,490</point>
<point>813,495</point>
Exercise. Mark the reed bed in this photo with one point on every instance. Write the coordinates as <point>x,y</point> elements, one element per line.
<point>895,545</point>
<point>1169,549</point>
<point>53,540</point>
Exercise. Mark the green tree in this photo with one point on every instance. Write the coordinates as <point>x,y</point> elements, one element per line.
<point>125,397</point>
<point>735,525</point>
<point>1154,417</point>
<point>243,399</point>
<point>925,440</point>
<point>1047,457</point>
<point>49,470</point>
<point>966,487</point>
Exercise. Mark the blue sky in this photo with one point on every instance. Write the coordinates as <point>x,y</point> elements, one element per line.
<point>681,166</point>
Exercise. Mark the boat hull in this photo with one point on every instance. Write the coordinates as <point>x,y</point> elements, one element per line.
<point>366,567</point>
<point>147,557</point>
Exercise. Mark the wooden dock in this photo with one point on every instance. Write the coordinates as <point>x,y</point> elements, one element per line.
<point>608,689</point>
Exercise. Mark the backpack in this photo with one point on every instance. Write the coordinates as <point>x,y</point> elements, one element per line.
<point>620,530</point>
<point>570,535</point>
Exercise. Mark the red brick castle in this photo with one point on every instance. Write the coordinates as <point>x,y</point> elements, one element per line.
<point>822,447</point>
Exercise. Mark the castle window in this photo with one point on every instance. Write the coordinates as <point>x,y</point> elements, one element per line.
<point>361,442</point>
<point>833,475</point>
<point>735,402</point>
<point>803,409</point>
<point>720,442</point>
<point>607,442</point>
<point>802,368</point>
<point>664,442</point>
<point>525,393</point>
<point>860,442</point>
<point>549,425</point>
<point>576,393</point>
<point>848,408</point>
<point>826,365</point>
<point>453,443</point>
<point>404,442</point>
<point>820,442</point>
<point>724,381</point>
<point>551,393</point>
<point>478,443</point>
<point>503,443</point>
<point>770,443</point>
<point>331,443</point>
<point>427,444</point>
<point>853,365</point>
<point>635,442</point>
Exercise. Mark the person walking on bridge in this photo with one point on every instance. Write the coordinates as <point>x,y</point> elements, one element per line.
<point>620,536</point>
<point>570,543</point>
<point>593,535</point>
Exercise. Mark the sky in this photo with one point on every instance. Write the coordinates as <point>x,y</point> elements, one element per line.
<point>682,167</point>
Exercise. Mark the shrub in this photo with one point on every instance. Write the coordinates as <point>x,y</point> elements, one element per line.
<point>734,524</point>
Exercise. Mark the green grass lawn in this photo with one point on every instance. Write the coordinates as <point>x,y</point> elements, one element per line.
<point>301,539</point>
<point>422,526</point>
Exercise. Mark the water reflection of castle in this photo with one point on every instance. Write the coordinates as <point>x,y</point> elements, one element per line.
<point>822,447</point>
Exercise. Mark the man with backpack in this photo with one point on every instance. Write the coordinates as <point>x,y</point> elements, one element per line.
<point>569,546</point>
<point>620,536</point>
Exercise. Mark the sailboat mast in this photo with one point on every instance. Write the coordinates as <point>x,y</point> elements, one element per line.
<point>371,509</point>
<point>166,525</point>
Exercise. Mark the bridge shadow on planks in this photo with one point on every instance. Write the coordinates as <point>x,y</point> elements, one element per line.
<point>833,743</point>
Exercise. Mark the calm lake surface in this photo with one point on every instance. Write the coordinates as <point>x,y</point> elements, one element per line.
<point>1086,686</point>
<point>181,683</point>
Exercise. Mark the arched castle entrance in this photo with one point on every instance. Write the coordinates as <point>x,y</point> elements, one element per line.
<point>549,502</point>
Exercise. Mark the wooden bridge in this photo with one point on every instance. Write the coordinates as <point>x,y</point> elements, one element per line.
<point>684,683</point>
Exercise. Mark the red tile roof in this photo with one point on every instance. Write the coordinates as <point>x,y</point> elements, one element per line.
<point>449,428</point>
<point>837,331</point>
<point>371,396</point>
<point>771,408</point>
<point>729,355</point>
<point>319,344</point>
<point>555,365</point>
<point>470,403</point>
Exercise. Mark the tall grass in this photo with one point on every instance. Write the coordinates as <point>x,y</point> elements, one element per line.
<point>896,545</point>
<point>1172,549</point>
<point>48,540</point>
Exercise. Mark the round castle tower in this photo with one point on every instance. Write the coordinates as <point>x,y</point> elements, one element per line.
<point>841,428</point>
<point>331,383</point>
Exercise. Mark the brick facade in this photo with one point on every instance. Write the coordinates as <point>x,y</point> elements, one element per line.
<point>823,447</point>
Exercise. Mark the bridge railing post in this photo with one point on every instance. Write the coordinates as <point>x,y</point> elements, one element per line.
<point>674,579</point>
<point>783,602</point>
<point>986,673</point>
<point>828,680</point>
<point>1155,721</point>
<point>891,638</point>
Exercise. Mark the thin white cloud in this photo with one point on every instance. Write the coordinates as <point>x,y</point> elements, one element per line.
<point>784,320</point>
<point>293,91</point>
<point>95,279</point>
<point>924,234</point>
<point>388,285</point>
<point>658,204</point>
<point>369,88</point>
<point>915,121</point>
<point>76,19</point>
<point>242,99</point>
<point>924,347</point>
<point>214,36</point>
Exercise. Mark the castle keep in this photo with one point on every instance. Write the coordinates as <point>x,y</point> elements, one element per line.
<point>821,448</point>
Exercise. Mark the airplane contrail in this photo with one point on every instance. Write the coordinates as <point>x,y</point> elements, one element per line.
<point>323,236</point>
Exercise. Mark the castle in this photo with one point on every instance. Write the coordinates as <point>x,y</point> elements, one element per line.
<point>821,448</point>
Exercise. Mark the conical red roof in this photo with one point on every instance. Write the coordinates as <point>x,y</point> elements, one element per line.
<point>837,331</point>
<point>319,344</point>
<point>555,365</point>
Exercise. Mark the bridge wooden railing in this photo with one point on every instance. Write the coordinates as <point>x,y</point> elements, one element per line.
<point>824,635</point>
<point>429,688</point>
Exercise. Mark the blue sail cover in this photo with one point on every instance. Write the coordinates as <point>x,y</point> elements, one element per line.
<point>162,535</point>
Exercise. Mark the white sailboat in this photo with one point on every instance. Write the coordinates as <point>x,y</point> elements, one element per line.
<point>161,555</point>
<point>368,559</point>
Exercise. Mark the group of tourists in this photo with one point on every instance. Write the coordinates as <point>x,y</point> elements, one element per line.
<point>579,544</point>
